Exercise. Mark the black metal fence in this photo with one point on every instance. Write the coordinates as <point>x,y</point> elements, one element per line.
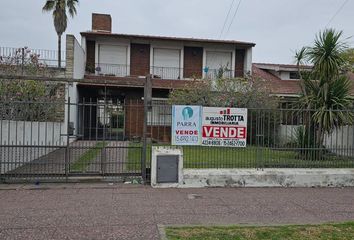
<point>22,55</point>
<point>32,63</point>
<point>67,141</point>
<point>103,137</point>
<point>276,138</point>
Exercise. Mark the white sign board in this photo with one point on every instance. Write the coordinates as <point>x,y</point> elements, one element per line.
<point>224,127</point>
<point>186,125</point>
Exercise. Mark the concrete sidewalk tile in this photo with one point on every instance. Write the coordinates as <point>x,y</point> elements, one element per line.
<point>83,233</point>
<point>132,232</point>
<point>335,216</point>
<point>174,208</point>
<point>84,220</point>
<point>149,232</point>
<point>137,210</point>
<point>6,221</point>
<point>169,219</point>
<point>128,219</point>
<point>37,221</point>
<point>28,233</point>
<point>212,209</point>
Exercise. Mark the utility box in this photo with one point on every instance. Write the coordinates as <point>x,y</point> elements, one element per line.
<point>166,167</point>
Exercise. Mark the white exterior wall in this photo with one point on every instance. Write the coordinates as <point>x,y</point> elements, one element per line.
<point>287,133</point>
<point>48,136</point>
<point>231,48</point>
<point>72,92</point>
<point>79,61</point>
<point>83,44</point>
<point>248,61</point>
<point>341,141</point>
<point>284,75</point>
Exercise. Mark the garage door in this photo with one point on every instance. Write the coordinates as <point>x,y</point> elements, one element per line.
<point>166,63</point>
<point>113,60</point>
<point>216,60</point>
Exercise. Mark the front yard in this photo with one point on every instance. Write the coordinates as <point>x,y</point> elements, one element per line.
<point>343,231</point>
<point>249,157</point>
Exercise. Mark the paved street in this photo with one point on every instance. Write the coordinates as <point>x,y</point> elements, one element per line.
<point>102,211</point>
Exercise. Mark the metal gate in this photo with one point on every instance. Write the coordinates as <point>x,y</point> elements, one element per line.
<point>65,140</point>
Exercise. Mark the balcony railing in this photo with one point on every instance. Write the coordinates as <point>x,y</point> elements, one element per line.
<point>117,70</point>
<point>169,73</point>
<point>20,56</point>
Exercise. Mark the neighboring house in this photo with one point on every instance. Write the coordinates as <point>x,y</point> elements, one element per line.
<point>283,81</point>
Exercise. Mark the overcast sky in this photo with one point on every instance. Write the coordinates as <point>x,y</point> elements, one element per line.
<point>278,27</point>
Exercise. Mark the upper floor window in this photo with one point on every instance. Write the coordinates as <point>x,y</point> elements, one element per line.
<point>218,64</point>
<point>166,63</point>
<point>294,75</point>
<point>112,60</point>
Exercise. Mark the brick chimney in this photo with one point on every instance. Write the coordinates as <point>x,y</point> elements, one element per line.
<point>101,22</point>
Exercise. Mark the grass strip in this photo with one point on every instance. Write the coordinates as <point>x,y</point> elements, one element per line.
<point>85,159</point>
<point>342,231</point>
<point>249,157</point>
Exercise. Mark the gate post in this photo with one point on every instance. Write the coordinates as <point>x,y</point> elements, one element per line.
<point>67,152</point>
<point>259,139</point>
<point>147,103</point>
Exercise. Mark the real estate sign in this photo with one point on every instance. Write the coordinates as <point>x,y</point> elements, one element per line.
<point>186,125</point>
<point>224,127</point>
<point>209,126</point>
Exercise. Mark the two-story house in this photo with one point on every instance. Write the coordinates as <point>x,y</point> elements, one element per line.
<point>172,61</point>
<point>116,65</point>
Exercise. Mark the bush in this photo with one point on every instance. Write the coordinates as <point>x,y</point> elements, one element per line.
<point>305,141</point>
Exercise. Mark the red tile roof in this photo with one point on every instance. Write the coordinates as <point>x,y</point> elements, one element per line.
<point>284,87</point>
<point>275,84</point>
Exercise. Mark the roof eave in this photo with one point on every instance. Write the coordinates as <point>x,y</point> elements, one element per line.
<point>106,34</point>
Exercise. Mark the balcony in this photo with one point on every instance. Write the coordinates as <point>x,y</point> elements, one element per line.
<point>166,73</point>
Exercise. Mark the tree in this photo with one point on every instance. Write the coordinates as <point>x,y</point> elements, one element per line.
<point>28,100</point>
<point>225,92</point>
<point>60,8</point>
<point>326,88</point>
<point>348,56</point>
<point>251,93</point>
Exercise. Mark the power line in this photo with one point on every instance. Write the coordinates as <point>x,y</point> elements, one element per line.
<point>225,22</point>
<point>227,17</point>
<point>234,16</point>
<point>338,11</point>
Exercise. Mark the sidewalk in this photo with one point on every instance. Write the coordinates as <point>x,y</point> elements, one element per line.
<point>100,211</point>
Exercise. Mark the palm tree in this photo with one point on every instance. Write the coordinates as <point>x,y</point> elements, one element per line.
<point>327,54</point>
<point>60,8</point>
<point>325,89</point>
